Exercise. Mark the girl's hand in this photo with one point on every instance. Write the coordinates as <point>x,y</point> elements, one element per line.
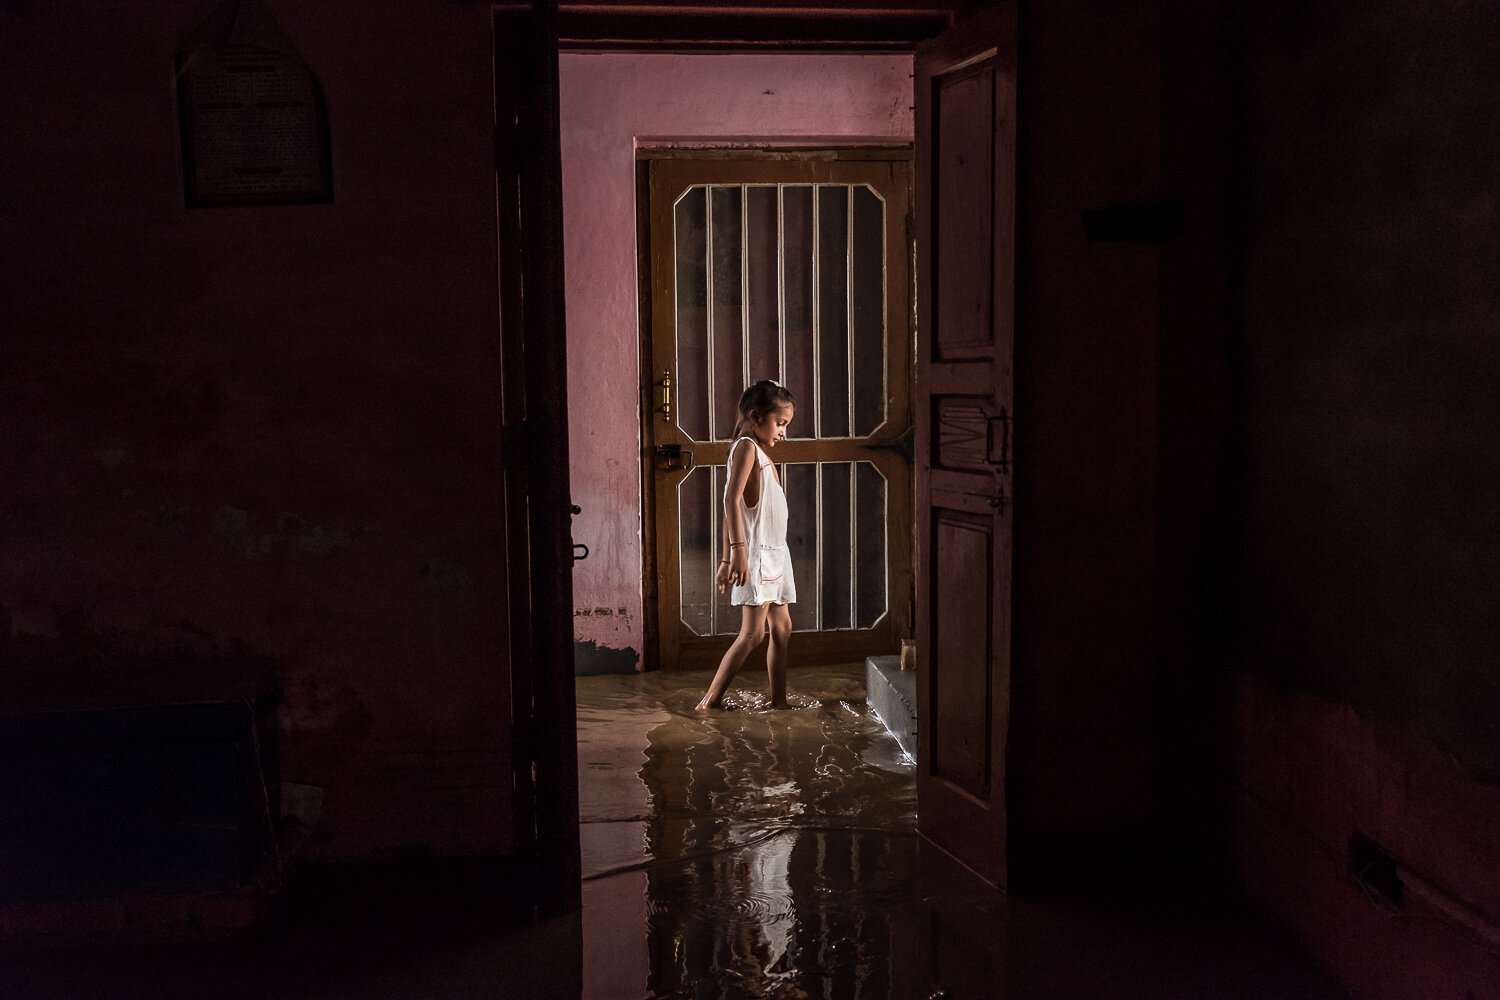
<point>739,566</point>
<point>721,578</point>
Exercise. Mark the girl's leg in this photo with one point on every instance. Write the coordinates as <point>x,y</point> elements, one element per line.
<point>776,656</point>
<point>752,631</point>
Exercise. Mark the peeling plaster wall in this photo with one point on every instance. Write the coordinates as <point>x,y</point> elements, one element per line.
<point>267,429</point>
<point>610,103</point>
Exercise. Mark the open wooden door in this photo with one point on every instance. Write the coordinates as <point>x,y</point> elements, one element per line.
<point>965,235</point>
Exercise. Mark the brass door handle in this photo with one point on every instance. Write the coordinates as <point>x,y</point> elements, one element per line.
<point>666,396</point>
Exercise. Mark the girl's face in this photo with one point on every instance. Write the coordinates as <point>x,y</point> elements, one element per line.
<point>771,427</point>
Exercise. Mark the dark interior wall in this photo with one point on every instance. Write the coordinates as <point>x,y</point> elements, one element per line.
<point>1192,580</point>
<point>1367,690</point>
<point>265,433</point>
<point>1087,315</point>
<point>1368,306</point>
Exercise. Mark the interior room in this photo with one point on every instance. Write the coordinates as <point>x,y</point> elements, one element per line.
<point>318,322</point>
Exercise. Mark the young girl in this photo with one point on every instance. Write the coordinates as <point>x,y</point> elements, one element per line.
<point>757,563</point>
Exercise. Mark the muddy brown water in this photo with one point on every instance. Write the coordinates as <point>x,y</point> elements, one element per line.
<point>771,846</point>
<point>751,852</point>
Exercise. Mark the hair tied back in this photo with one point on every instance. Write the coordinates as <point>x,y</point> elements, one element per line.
<point>762,397</point>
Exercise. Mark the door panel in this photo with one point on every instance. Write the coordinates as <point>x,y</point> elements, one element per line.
<point>794,270</point>
<point>964,174</point>
<point>965,236</point>
<point>963,544</point>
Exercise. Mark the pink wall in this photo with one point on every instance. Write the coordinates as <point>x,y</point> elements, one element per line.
<point>266,433</point>
<point>611,103</point>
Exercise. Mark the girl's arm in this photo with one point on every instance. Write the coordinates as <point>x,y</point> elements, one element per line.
<point>734,530</point>
<point>721,575</point>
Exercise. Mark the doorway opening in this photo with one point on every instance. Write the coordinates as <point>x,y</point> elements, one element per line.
<point>963,221</point>
<point>615,106</point>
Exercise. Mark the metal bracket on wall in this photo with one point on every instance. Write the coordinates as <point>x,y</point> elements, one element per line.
<point>903,444</point>
<point>575,509</point>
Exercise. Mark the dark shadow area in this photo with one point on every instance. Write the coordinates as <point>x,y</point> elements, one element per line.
<point>451,929</point>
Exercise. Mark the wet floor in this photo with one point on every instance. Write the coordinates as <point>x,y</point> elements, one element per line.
<point>730,854</point>
<point>764,849</point>
<point>758,853</point>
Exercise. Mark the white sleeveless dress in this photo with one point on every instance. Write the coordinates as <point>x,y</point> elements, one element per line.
<point>770,578</point>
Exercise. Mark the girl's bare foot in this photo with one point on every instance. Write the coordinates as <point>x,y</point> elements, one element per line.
<point>706,704</point>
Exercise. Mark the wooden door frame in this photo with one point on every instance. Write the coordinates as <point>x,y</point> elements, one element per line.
<point>901,608</point>
<point>534,443</point>
<point>773,26</point>
<point>538,606</point>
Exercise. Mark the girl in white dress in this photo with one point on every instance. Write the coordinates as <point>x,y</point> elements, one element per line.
<point>757,563</point>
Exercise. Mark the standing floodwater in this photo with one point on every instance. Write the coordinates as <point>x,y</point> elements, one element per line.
<point>752,852</point>
<point>765,841</point>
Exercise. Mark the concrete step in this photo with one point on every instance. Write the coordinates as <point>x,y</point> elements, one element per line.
<point>892,694</point>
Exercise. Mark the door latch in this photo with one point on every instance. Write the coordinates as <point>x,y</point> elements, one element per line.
<point>675,455</point>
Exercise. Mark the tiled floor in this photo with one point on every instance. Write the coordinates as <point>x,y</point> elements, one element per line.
<point>742,853</point>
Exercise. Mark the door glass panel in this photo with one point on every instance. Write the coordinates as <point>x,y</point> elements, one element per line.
<point>867,309</point>
<point>797,301</point>
<point>691,267</point>
<point>833,311</point>
<point>695,550</point>
<point>762,295</point>
<point>870,572</point>
<point>845,583</point>
<point>801,485</point>
<point>726,324</point>
<point>836,566</point>
<point>783,282</point>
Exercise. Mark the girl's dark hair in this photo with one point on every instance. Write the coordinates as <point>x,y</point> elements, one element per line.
<point>761,398</point>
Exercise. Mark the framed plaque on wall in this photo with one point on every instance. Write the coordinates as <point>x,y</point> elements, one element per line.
<point>254,126</point>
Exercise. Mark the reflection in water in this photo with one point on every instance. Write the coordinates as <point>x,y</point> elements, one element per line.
<point>802,913</point>
<point>758,853</point>
<point>778,845</point>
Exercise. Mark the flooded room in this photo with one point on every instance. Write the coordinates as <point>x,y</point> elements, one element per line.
<point>609,501</point>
